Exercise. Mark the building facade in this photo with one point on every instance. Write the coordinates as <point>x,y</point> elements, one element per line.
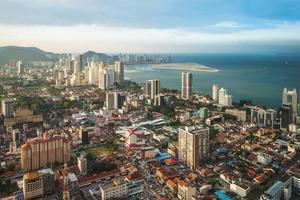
<point>42,152</point>
<point>193,145</point>
<point>186,85</point>
<point>117,188</point>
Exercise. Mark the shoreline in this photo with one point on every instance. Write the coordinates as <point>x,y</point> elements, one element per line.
<point>185,66</point>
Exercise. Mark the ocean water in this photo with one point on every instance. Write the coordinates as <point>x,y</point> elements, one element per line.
<point>260,78</point>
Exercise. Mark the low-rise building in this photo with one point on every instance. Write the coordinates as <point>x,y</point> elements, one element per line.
<point>240,115</point>
<point>116,188</point>
<point>32,185</point>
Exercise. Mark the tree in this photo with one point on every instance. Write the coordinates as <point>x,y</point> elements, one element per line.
<point>89,156</point>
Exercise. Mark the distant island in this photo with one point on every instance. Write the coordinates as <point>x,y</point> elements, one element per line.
<point>185,66</point>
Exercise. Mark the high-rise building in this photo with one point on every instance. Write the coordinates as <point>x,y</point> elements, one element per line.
<point>82,164</point>
<point>147,88</point>
<point>32,185</point>
<point>119,71</point>
<point>215,93</point>
<point>110,102</point>
<point>152,88</point>
<point>186,190</point>
<point>159,100</point>
<point>262,117</point>
<point>222,93</point>
<point>186,85</point>
<point>119,99</point>
<point>48,180</point>
<point>289,97</point>
<point>224,98</point>
<point>16,135</point>
<point>103,79</point>
<point>80,63</point>
<point>286,116</point>
<point>84,136</point>
<point>8,108</point>
<point>93,73</point>
<point>20,67</point>
<point>115,100</point>
<point>155,87</point>
<point>203,113</point>
<point>193,145</point>
<point>41,152</point>
<point>227,100</point>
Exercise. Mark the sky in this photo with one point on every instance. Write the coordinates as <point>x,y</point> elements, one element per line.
<point>154,26</point>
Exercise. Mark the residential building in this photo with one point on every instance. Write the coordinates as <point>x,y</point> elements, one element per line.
<point>8,108</point>
<point>84,136</point>
<point>193,145</point>
<point>82,164</point>
<point>20,67</point>
<point>41,152</point>
<point>48,180</point>
<point>289,97</point>
<point>134,138</point>
<point>215,93</point>
<point>262,117</point>
<point>32,185</point>
<point>117,188</point>
<point>264,158</point>
<point>186,190</point>
<point>203,113</point>
<point>222,93</point>
<point>241,115</point>
<point>186,85</point>
<point>119,71</point>
<point>286,116</point>
<point>274,192</point>
<point>155,88</point>
<point>110,100</point>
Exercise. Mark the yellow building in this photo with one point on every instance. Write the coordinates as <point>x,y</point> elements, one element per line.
<point>32,185</point>
<point>22,116</point>
<point>117,188</point>
<point>38,153</point>
<point>185,190</point>
<point>193,143</point>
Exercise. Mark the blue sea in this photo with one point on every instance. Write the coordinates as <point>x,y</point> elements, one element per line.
<point>260,78</point>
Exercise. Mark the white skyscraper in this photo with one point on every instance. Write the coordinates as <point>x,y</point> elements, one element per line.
<point>215,93</point>
<point>103,79</point>
<point>82,164</point>
<point>227,100</point>
<point>222,93</point>
<point>20,67</point>
<point>289,97</point>
<point>186,85</point>
<point>93,73</point>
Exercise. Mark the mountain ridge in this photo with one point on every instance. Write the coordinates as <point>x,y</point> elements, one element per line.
<point>28,54</point>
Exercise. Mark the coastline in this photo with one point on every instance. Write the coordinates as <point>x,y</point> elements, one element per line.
<point>186,67</point>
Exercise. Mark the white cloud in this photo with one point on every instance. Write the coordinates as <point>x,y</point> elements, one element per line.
<point>229,24</point>
<point>80,38</point>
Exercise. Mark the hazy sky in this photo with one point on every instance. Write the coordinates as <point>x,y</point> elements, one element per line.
<point>256,26</point>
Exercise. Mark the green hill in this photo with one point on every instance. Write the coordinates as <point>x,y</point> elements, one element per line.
<point>25,54</point>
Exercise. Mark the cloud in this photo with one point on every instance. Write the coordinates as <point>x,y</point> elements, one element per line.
<point>79,38</point>
<point>229,24</point>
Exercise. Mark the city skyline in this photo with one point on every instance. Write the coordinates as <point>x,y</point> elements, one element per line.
<point>154,27</point>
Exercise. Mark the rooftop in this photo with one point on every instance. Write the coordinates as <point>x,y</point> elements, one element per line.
<point>274,188</point>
